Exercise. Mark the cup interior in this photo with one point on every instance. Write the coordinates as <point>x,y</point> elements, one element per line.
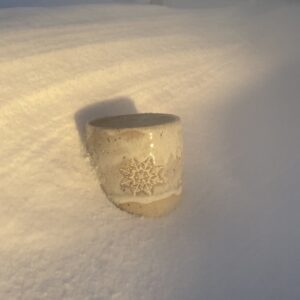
<point>134,120</point>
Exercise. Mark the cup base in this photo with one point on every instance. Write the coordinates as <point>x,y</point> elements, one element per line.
<point>154,209</point>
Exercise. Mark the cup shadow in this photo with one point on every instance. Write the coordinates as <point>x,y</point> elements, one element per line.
<point>104,108</point>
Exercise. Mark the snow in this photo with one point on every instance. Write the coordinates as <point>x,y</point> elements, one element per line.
<point>231,73</point>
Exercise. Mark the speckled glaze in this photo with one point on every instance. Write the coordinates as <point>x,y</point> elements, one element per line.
<point>138,159</point>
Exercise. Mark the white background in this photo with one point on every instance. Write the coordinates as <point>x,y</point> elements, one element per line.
<point>232,72</point>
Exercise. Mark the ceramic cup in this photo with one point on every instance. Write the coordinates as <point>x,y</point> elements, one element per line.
<point>138,159</point>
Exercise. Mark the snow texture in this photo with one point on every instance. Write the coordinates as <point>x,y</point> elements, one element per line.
<point>232,74</point>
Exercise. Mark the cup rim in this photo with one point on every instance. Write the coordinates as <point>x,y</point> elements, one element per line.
<point>136,120</point>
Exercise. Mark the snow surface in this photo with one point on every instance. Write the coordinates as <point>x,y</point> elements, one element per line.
<point>232,74</point>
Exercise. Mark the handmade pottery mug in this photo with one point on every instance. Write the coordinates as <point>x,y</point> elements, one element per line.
<point>138,159</point>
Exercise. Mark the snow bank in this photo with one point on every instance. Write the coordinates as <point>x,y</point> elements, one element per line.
<point>232,75</point>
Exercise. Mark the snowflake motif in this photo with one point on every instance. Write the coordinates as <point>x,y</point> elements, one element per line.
<point>141,176</point>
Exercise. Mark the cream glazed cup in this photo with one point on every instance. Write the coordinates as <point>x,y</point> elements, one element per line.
<point>138,159</point>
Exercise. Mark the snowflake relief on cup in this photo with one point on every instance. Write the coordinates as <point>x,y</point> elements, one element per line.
<point>141,177</point>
